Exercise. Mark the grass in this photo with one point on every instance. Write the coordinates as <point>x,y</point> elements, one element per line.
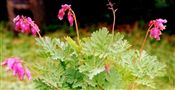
<point>24,46</point>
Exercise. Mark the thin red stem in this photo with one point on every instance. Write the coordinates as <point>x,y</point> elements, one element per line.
<point>76,26</point>
<point>110,6</point>
<point>39,34</point>
<point>146,36</point>
<point>113,26</point>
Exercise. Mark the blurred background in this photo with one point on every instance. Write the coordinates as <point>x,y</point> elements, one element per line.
<point>90,12</point>
<point>132,18</point>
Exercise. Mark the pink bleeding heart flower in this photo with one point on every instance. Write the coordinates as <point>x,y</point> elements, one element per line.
<point>33,31</point>
<point>29,20</point>
<point>158,23</point>
<point>15,64</point>
<point>22,27</point>
<point>18,70</point>
<point>70,18</point>
<point>10,62</point>
<point>158,26</point>
<point>25,25</point>
<point>17,18</point>
<point>61,12</point>
<point>34,28</point>
<point>28,74</point>
<point>65,7</point>
<point>155,33</point>
<point>17,26</point>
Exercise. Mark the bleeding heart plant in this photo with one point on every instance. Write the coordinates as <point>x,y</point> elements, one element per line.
<point>104,61</point>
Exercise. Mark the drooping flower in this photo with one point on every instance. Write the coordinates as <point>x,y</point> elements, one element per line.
<point>65,7</point>
<point>70,18</point>
<point>17,18</point>
<point>18,70</point>
<point>15,64</point>
<point>158,23</point>
<point>62,11</point>
<point>61,14</point>
<point>28,74</point>
<point>158,26</point>
<point>25,27</point>
<point>25,24</point>
<point>34,29</point>
<point>17,26</point>
<point>10,62</point>
<point>155,33</point>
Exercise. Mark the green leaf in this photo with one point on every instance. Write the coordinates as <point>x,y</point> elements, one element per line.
<point>56,49</point>
<point>114,80</point>
<point>41,85</point>
<point>143,68</point>
<point>49,46</point>
<point>72,43</point>
<point>98,43</point>
<point>103,44</point>
<point>92,66</point>
<point>146,82</point>
<point>95,71</point>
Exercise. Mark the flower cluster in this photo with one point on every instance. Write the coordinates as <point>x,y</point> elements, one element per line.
<point>25,25</point>
<point>15,64</point>
<point>158,26</point>
<point>62,11</point>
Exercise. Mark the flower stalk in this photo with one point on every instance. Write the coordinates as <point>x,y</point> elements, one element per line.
<point>155,28</point>
<point>111,7</point>
<point>71,17</point>
<point>76,26</point>
<point>144,41</point>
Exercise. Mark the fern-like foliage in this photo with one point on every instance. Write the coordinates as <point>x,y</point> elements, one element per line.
<point>102,61</point>
<point>56,49</point>
<point>101,48</point>
<point>103,44</point>
<point>41,85</point>
<point>144,68</point>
